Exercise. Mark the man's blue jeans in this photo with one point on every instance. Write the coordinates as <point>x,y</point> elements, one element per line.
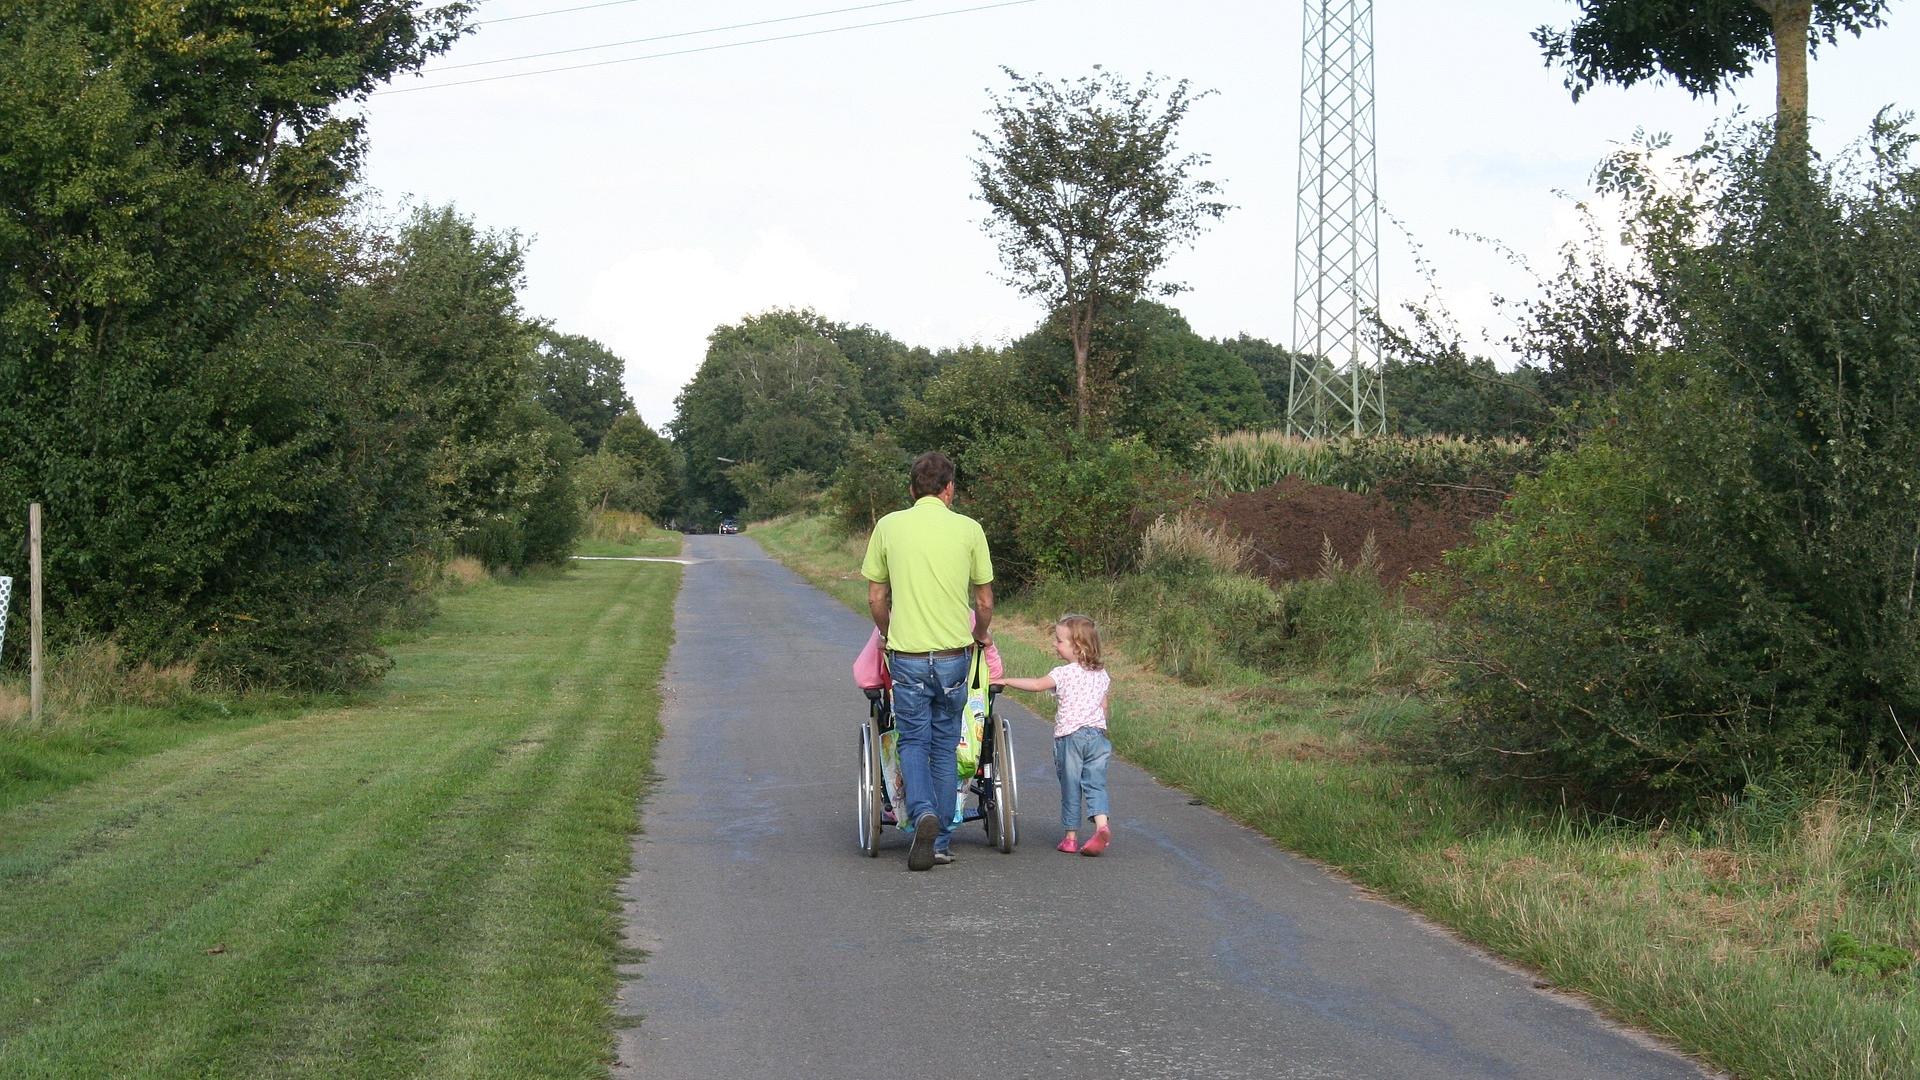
<point>1080,758</point>
<point>928,697</point>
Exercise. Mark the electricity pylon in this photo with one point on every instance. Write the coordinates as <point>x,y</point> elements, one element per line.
<point>1336,386</point>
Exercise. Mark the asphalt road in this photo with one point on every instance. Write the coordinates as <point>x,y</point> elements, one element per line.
<point>1193,948</point>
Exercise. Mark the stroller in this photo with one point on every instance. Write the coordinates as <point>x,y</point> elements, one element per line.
<point>990,795</point>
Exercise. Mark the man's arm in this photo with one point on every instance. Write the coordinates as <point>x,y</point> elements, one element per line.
<point>982,612</point>
<point>880,605</point>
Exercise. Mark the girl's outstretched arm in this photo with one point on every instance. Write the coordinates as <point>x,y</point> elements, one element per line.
<point>1036,686</point>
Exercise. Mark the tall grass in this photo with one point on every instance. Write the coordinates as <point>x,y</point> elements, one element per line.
<point>91,675</point>
<point>619,527</point>
<point>1251,460</point>
<point>1193,613</point>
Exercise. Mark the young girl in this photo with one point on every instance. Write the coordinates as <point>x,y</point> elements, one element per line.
<point>1080,746</point>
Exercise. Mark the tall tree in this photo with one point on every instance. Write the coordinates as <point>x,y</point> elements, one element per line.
<point>1703,46</point>
<point>1088,194</point>
<point>447,303</point>
<point>774,389</point>
<point>580,382</point>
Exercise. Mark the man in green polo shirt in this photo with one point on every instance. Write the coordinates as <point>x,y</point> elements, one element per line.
<point>930,590</point>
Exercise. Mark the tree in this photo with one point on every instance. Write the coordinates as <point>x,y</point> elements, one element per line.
<point>579,381</point>
<point>649,463</point>
<point>775,390</point>
<point>1155,378</point>
<point>979,394</point>
<point>1704,46</point>
<point>889,372</point>
<point>1450,393</point>
<point>236,482</point>
<point>446,303</point>
<point>1087,195</point>
<point>1272,365</point>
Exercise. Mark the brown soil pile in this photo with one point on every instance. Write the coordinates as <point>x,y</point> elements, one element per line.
<point>1289,522</point>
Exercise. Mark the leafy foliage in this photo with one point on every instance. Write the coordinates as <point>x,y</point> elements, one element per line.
<point>887,372</point>
<point>579,381</point>
<point>229,479</point>
<point>1703,46</point>
<point>980,394</point>
<point>444,302</point>
<point>646,462</point>
<point>1062,503</point>
<point>774,390</point>
<point>1171,387</point>
<point>871,482</point>
<point>1717,586</point>
<point>1271,364</point>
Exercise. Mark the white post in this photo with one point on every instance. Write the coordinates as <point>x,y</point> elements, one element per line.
<point>33,562</point>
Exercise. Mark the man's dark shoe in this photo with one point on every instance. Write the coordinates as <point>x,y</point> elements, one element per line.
<point>942,858</point>
<point>926,829</point>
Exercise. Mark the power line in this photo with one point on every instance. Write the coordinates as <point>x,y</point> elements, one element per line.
<point>556,11</point>
<point>667,37</point>
<point>707,48</point>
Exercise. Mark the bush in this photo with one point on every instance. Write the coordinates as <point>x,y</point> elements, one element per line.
<point>1715,589</point>
<point>872,481</point>
<point>1344,620</point>
<point>1613,641</point>
<point>1064,504</point>
<point>770,497</point>
<point>535,515</point>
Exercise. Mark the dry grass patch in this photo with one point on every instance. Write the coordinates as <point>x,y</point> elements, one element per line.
<point>463,572</point>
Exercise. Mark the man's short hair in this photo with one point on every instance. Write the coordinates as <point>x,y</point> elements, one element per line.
<point>932,472</point>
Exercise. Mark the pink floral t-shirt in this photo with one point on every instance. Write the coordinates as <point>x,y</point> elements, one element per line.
<point>1082,694</point>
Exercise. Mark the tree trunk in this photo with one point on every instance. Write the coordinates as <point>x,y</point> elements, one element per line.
<point>1792,27</point>
<point>1080,329</point>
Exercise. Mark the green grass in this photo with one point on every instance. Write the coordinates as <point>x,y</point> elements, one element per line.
<point>422,884</point>
<point>660,543</point>
<point>38,762</point>
<point>1724,934</point>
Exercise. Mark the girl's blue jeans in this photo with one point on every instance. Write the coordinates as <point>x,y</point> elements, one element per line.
<point>1080,759</point>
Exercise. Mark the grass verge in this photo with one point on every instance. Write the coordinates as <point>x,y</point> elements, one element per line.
<point>611,532</point>
<point>419,885</point>
<point>1735,936</point>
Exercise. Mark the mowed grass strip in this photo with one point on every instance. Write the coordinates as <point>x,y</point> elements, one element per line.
<point>1706,936</point>
<point>420,886</point>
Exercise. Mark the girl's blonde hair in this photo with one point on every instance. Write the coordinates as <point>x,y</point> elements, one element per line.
<point>1085,638</point>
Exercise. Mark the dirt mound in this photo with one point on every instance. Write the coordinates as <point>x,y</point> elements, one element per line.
<point>1289,521</point>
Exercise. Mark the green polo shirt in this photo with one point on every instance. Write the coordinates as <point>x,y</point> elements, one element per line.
<point>929,558</point>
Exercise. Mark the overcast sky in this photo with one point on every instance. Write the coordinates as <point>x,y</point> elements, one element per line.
<point>667,196</point>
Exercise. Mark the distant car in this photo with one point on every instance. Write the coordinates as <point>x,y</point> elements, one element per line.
<point>728,525</point>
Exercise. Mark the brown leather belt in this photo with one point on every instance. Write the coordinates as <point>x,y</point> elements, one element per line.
<point>936,654</point>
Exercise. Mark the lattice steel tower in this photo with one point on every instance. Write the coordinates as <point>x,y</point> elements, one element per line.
<point>1336,387</point>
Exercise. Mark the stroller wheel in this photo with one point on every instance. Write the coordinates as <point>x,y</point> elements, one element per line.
<point>1005,832</point>
<point>868,790</point>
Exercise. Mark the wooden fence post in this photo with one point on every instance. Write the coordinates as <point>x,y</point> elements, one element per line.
<point>33,562</point>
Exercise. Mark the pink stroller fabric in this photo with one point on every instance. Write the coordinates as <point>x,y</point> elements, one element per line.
<point>870,674</point>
